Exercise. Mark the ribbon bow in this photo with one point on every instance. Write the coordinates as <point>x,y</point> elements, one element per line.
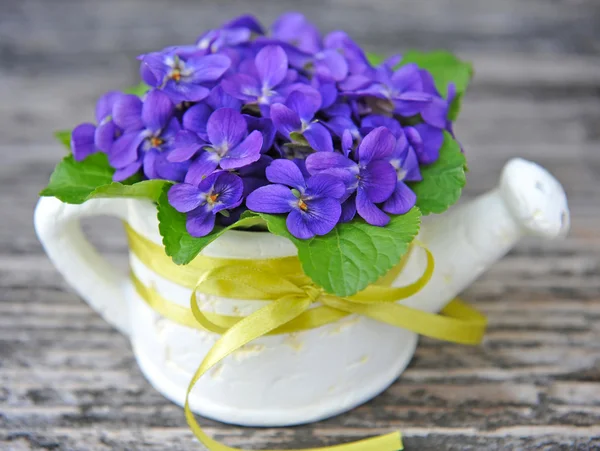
<point>295,304</point>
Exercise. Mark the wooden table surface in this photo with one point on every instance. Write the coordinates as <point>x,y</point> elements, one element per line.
<point>68,381</point>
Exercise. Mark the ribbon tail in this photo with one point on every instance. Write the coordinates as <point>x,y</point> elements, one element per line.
<point>256,325</point>
<point>458,323</point>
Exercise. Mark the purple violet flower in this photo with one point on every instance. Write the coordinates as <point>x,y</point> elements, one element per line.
<point>292,122</point>
<point>297,116</point>
<point>149,129</point>
<point>253,176</point>
<point>355,57</point>
<point>340,124</point>
<point>88,138</point>
<point>265,126</point>
<point>404,160</point>
<point>190,140</point>
<point>372,177</point>
<point>313,204</point>
<point>262,83</point>
<point>373,121</point>
<point>218,192</point>
<point>220,99</point>
<point>293,28</point>
<point>82,141</point>
<point>402,89</point>
<point>328,90</point>
<point>183,77</point>
<point>228,146</point>
<point>426,140</point>
<point>234,32</point>
<point>436,113</point>
<point>432,139</point>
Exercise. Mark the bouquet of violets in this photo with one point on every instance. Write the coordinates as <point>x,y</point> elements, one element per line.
<point>284,130</point>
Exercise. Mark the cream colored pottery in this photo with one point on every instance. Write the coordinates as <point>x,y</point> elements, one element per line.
<point>302,377</point>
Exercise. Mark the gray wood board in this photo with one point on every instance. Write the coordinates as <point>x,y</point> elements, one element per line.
<point>69,382</point>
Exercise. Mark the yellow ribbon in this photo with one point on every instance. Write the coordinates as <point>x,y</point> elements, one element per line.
<point>291,296</point>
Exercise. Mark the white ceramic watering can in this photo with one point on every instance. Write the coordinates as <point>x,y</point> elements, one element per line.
<point>307,376</point>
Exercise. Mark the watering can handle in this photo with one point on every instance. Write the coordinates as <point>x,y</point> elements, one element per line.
<point>103,287</point>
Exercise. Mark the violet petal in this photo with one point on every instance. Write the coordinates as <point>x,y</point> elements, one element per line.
<point>186,145</point>
<point>322,161</point>
<point>285,172</point>
<point>196,117</point>
<point>246,152</point>
<point>325,185</point>
<point>201,167</point>
<point>149,163</point>
<point>185,197</point>
<point>242,86</point>
<point>318,137</point>
<point>226,128</point>
<point>127,112</point>
<point>104,137</point>
<point>124,151</point>
<point>271,199</point>
<point>305,103</point>
<point>297,224</point>
<point>378,180</point>
<point>200,222</point>
<point>378,144</point>
<point>272,65</point>
<point>127,171</point>
<point>322,215</point>
<point>82,141</point>
<point>105,105</point>
<point>285,120</point>
<point>157,110</point>
<point>369,211</point>
<point>206,68</point>
<point>401,200</point>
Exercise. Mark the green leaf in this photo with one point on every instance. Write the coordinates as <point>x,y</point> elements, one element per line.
<point>146,189</point>
<point>375,59</point>
<point>354,254</point>
<point>74,182</point>
<point>64,137</point>
<point>445,68</point>
<point>179,244</point>
<point>443,180</point>
<point>298,138</point>
<point>138,90</point>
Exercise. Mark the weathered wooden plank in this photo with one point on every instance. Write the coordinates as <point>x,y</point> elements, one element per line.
<point>417,438</point>
<point>70,382</point>
<point>39,29</point>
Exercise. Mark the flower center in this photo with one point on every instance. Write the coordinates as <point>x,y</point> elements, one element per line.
<point>212,198</point>
<point>302,205</point>
<point>176,74</point>
<point>265,95</point>
<point>156,141</point>
<point>177,71</point>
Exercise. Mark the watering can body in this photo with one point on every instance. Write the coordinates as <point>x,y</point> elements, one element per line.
<point>299,377</point>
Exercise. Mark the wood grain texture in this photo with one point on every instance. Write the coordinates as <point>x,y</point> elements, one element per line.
<point>69,382</point>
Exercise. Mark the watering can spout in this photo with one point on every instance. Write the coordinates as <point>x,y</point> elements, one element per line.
<point>468,239</point>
